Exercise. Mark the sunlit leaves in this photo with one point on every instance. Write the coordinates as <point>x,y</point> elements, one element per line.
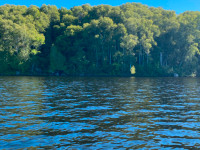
<point>129,42</point>
<point>72,30</point>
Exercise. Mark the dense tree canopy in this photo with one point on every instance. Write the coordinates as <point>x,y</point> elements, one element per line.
<point>100,40</point>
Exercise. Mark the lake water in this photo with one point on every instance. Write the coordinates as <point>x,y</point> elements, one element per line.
<point>99,113</point>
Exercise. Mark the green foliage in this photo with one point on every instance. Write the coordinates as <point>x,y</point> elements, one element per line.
<point>57,60</point>
<point>100,40</point>
<point>132,70</point>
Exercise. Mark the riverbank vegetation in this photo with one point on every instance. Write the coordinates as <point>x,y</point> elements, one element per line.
<point>100,40</point>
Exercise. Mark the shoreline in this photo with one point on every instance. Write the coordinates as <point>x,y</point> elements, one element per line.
<point>86,75</point>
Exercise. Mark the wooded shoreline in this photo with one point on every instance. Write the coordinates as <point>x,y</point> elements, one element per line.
<point>83,75</point>
<point>127,40</point>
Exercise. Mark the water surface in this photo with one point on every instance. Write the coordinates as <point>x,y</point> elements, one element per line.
<point>99,113</point>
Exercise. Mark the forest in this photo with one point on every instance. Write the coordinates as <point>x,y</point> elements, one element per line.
<point>131,39</point>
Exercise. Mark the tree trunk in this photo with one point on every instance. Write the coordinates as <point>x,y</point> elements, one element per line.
<point>96,58</point>
<point>142,57</point>
<point>123,60</point>
<point>110,57</point>
<point>139,58</point>
<point>161,58</point>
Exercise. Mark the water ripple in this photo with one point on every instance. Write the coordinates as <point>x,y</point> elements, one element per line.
<point>99,113</point>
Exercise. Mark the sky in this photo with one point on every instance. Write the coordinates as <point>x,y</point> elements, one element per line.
<point>179,6</point>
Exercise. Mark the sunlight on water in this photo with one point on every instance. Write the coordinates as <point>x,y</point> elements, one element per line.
<point>99,113</point>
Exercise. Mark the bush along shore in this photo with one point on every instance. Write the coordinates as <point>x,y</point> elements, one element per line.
<point>126,40</point>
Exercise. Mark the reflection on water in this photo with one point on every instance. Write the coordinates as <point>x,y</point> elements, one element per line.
<point>99,113</point>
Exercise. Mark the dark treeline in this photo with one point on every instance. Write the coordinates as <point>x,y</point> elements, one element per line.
<point>100,40</point>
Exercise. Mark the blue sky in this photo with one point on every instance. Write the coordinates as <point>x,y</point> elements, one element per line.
<point>177,5</point>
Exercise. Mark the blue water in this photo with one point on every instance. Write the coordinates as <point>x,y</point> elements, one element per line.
<point>99,113</point>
